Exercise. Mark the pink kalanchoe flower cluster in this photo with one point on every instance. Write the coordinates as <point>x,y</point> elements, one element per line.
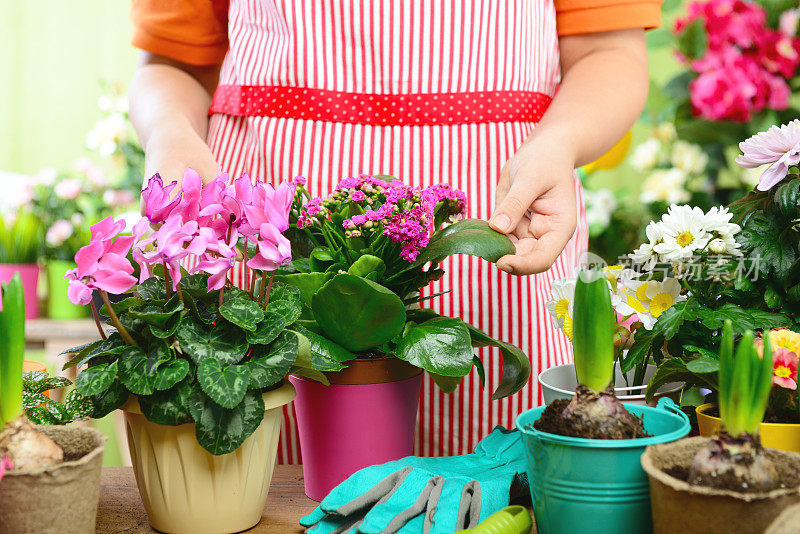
<point>102,264</point>
<point>747,64</point>
<point>404,214</point>
<point>204,220</point>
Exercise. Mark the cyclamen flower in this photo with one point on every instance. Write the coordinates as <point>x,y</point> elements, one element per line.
<point>217,263</point>
<point>270,205</point>
<point>778,147</point>
<point>274,250</point>
<point>102,264</point>
<point>156,199</point>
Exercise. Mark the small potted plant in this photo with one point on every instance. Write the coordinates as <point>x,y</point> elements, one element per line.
<point>709,485</point>
<point>583,453</point>
<point>196,363</point>
<point>781,425</point>
<point>21,236</point>
<point>364,252</point>
<point>58,468</point>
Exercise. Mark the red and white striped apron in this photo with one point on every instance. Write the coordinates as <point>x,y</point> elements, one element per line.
<point>428,91</point>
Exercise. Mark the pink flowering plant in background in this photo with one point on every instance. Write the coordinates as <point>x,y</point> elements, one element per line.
<point>206,328</point>
<point>364,257</point>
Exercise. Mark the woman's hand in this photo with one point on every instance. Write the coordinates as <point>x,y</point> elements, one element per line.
<point>536,207</point>
<point>169,151</point>
<point>603,90</point>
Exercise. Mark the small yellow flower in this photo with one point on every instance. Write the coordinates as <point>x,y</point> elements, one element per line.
<point>568,327</point>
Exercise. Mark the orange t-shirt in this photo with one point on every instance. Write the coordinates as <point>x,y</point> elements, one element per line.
<point>196,31</point>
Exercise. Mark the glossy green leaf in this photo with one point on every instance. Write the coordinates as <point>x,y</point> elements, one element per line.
<point>440,346</point>
<point>326,355</point>
<point>703,364</point>
<point>220,430</point>
<point>223,341</point>
<point>196,285</point>
<point>358,314</point>
<point>242,312</point>
<point>165,408</point>
<point>169,329</point>
<point>97,379</point>
<point>171,373</point>
<point>307,283</point>
<point>106,402</point>
<point>152,289</point>
<point>133,371</point>
<point>39,381</point>
<point>368,266</point>
<point>79,353</point>
<point>121,306</point>
<point>476,240</point>
<point>157,315</point>
<point>269,364</point>
<point>225,385</point>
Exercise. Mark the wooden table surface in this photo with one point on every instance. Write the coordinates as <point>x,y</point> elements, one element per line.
<point>121,510</point>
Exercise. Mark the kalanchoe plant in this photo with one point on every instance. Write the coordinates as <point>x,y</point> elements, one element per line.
<point>43,410</point>
<point>594,411</point>
<point>21,445</point>
<point>733,458</point>
<point>192,347</point>
<point>363,254</point>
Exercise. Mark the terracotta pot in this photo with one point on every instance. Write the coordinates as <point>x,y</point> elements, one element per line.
<point>366,416</point>
<point>29,273</point>
<point>679,507</point>
<point>783,436</point>
<point>57,499</point>
<point>185,488</point>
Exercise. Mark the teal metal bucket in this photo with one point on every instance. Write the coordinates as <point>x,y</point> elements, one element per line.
<point>588,486</point>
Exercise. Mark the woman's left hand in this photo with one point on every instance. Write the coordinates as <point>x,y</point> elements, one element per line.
<point>536,208</point>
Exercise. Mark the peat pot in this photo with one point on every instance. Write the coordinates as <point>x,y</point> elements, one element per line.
<point>185,488</point>
<point>365,416</point>
<point>595,486</point>
<point>559,382</point>
<point>57,499</point>
<point>685,509</point>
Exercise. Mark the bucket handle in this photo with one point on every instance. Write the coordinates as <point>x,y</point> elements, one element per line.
<point>668,405</point>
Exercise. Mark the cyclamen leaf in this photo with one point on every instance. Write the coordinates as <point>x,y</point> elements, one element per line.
<point>268,329</point>
<point>223,341</point>
<point>106,402</point>
<point>165,408</point>
<point>269,364</point>
<point>242,312</point>
<point>226,386</point>
<point>171,373</point>
<point>121,306</point>
<point>196,285</point>
<point>289,308</point>
<point>133,372</point>
<point>152,289</point>
<point>97,379</point>
<point>160,354</point>
<point>169,328</point>
<point>220,430</point>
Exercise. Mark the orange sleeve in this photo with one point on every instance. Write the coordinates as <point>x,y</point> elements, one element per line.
<point>589,16</point>
<point>191,31</point>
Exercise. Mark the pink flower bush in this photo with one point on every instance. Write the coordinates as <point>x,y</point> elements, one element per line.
<point>747,64</point>
<point>778,147</point>
<point>197,219</point>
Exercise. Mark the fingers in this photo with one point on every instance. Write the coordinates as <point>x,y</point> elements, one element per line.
<point>508,214</point>
<point>537,255</point>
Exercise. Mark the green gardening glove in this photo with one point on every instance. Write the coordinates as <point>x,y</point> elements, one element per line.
<point>429,495</point>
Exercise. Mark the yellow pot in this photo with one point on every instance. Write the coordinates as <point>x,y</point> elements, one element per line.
<point>783,436</point>
<point>187,489</point>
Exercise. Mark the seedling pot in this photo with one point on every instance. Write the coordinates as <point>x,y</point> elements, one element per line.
<point>783,436</point>
<point>185,488</point>
<point>57,499</point>
<point>58,305</point>
<point>365,417</point>
<point>29,273</point>
<point>680,507</point>
<point>559,382</point>
<point>595,486</point>
<point>787,522</point>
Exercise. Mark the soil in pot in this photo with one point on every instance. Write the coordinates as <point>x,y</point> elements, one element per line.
<point>590,415</point>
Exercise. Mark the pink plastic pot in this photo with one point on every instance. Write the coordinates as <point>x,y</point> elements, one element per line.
<point>29,272</point>
<point>347,427</point>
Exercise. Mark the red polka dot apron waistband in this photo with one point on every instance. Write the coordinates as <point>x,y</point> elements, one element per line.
<point>415,109</point>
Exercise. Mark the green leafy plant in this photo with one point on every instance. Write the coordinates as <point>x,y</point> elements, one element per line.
<point>363,253</point>
<point>733,458</point>
<point>43,410</point>
<point>21,238</point>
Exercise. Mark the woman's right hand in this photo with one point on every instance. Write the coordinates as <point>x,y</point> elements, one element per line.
<point>170,150</point>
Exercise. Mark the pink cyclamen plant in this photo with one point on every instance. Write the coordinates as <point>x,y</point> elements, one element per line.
<point>206,221</point>
<point>778,147</point>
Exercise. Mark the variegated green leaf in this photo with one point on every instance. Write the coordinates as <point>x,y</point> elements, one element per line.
<point>133,371</point>
<point>225,385</point>
<point>97,379</point>
<point>223,341</point>
<point>171,373</point>
<point>242,312</point>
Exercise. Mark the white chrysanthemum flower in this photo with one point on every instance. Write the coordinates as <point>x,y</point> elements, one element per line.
<point>688,157</point>
<point>646,254</point>
<point>600,205</point>
<point>684,233</point>
<point>107,134</point>
<point>666,132</point>
<point>645,156</point>
<point>665,185</point>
